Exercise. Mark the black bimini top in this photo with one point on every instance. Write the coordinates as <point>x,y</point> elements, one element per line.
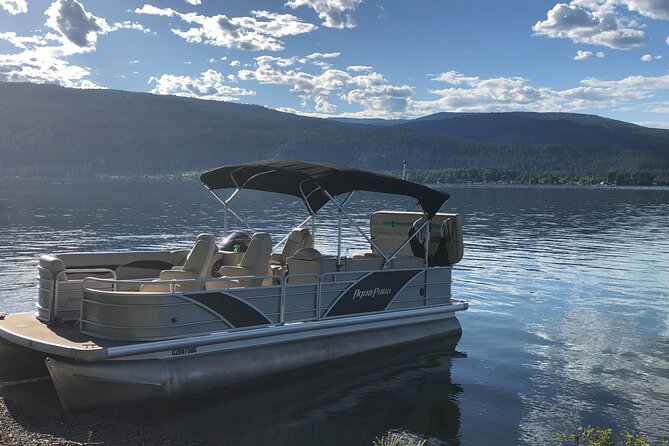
<point>310,182</point>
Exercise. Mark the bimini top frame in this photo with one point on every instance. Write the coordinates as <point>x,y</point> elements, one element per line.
<point>316,184</point>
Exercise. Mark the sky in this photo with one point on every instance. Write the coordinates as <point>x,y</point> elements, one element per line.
<point>355,58</point>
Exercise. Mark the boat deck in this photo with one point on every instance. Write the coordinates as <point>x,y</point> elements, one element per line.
<point>25,330</point>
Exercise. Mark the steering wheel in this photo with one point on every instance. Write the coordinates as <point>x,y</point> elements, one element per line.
<point>216,268</point>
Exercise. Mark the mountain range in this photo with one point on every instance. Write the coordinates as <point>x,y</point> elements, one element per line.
<point>50,131</point>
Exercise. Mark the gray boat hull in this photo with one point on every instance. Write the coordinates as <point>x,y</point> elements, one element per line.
<point>87,384</point>
<point>19,363</point>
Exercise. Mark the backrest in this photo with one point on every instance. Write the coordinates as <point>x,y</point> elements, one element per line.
<point>309,261</point>
<point>200,256</point>
<point>297,239</point>
<point>390,229</point>
<point>257,254</point>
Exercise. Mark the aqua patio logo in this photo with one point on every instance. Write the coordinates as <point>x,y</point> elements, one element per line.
<point>359,294</point>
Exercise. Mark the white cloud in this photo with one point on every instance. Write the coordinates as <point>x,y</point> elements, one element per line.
<point>259,32</point>
<point>455,78</point>
<point>475,94</point>
<point>78,27</point>
<point>14,6</point>
<point>582,55</point>
<point>235,63</point>
<point>650,57</point>
<point>660,107</point>
<point>359,68</point>
<point>600,26</point>
<point>127,24</point>
<point>209,85</point>
<point>371,90</point>
<point>43,65</point>
<point>194,2</point>
<point>381,99</point>
<point>43,57</point>
<point>654,124</point>
<point>319,92</point>
<point>516,93</point>
<point>654,9</point>
<point>322,55</point>
<point>134,61</point>
<point>28,42</point>
<point>332,12</point>
<point>152,10</point>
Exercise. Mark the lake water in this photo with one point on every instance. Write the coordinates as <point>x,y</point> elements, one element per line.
<point>569,313</point>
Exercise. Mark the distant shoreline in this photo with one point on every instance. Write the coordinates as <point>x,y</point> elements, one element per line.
<point>584,182</point>
<point>513,177</point>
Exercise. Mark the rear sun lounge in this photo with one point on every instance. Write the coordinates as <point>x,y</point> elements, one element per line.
<point>172,305</point>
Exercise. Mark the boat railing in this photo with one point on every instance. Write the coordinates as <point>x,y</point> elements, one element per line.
<point>108,287</point>
<point>174,284</point>
<point>57,291</point>
<point>320,291</point>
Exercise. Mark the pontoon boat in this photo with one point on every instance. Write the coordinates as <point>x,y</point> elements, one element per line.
<point>130,326</point>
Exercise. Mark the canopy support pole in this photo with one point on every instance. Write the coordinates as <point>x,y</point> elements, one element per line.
<point>415,234</point>
<point>227,208</point>
<point>339,208</point>
<point>225,221</point>
<point>426,243</point>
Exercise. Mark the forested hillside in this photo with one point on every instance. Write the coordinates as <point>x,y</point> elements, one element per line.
<point>49,131</point>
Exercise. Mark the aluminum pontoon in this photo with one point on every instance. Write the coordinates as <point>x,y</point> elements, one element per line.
<point>128,326</point>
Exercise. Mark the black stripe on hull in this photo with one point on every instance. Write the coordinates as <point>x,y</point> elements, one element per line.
<point>373,292</point>
<point>235,311</point>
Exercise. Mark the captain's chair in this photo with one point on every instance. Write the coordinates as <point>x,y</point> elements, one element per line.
<point>297,239</point>
<point>195,266</point>
<point>253,263</point>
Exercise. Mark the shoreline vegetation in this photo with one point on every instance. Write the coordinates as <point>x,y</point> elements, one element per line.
<point>483,176</point>
<point>502,176</point>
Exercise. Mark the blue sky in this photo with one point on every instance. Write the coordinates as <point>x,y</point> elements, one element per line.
<point>357,58</point>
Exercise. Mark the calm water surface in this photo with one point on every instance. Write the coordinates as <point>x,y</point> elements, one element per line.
<point>569,312</point>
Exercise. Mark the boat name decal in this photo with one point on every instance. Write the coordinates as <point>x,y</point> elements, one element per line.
<point>359,294</point>
<point>184,351</point>
<point>373,292</point>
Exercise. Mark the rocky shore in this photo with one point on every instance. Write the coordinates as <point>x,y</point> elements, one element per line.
<point>25,424</point>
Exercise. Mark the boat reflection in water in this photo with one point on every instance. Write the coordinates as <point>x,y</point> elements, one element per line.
<point>408,389</point>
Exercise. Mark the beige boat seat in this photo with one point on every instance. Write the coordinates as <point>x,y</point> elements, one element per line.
<point>194,267</point>
<point>253,263</point>
<point>297,239</point>
<point>311,262</point>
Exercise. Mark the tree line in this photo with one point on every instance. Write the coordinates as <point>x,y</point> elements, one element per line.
<point>502,176</point>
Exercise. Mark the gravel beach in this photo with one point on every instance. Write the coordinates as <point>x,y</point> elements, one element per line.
<point>23,424</point>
